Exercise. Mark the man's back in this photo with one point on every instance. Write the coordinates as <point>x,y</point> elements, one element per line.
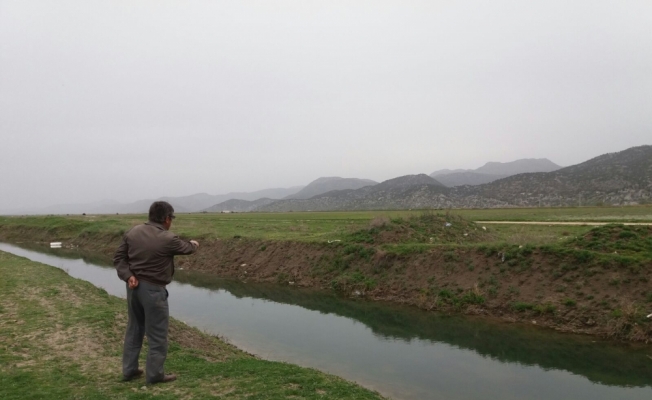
<point>148,251</point>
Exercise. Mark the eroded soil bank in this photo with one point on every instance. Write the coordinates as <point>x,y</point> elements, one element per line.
<point>597,284</point>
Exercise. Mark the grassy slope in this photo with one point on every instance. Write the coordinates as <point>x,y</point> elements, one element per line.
<point>61,337</point>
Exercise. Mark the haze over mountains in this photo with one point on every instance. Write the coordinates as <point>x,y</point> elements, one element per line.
<point>326,184</point>
<point>192,203</point>
<point>314,188</point>
<point>492,171</point>
<point>615,178</point>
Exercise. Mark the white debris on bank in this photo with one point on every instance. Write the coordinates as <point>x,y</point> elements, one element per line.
<point>55,245</point>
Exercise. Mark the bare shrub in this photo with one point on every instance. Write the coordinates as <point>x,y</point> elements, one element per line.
<point>379,222</point>
<point>626,324</point>
<point>476,290</point>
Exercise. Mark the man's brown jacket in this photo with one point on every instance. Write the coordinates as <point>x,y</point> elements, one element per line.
<point>147,251</point>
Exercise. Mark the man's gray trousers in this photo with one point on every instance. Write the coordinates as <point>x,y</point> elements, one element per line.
<point>148,314</point>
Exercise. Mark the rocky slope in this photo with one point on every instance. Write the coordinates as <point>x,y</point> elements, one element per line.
<point>615,178</point>
<point>621,178</point>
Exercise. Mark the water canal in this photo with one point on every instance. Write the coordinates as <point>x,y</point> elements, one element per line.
<point>402,352</point>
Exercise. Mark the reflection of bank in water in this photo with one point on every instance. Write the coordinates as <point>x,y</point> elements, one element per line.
<point>600,362</point>
<point>392,348</point>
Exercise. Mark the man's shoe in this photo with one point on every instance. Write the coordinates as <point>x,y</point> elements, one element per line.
<point>166,379</point>
<point>137,374</point>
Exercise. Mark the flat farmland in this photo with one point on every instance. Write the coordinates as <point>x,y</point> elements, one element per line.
<point>567,214</point>
<point>328,226</point>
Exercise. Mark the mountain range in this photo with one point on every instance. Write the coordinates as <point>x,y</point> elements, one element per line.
<point>616,178</point>
<point>621,178</point>
<point>192,203</point>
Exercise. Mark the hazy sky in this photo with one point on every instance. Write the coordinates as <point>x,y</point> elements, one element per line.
<point>139,99</point>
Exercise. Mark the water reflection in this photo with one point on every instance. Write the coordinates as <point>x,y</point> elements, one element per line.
<point>403,352</point>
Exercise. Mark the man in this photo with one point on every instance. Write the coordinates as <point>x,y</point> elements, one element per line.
<point>145,260</point>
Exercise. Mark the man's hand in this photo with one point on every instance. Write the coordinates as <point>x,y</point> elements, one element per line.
<point>133,282</point>
<point>195,243</point>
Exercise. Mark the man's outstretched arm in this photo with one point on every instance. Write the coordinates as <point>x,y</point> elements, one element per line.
<point>180,247</point>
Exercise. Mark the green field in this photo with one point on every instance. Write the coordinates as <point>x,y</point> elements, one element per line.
<point>61,338</point>
<point>324,226</point>
<point>569,214</point>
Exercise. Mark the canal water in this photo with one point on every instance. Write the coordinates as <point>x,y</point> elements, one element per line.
<point>402,352</point>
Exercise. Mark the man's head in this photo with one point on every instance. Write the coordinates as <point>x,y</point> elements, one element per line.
<point>161,212</point>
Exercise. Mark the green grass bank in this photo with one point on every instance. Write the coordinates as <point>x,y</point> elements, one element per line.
<point>61,337</point>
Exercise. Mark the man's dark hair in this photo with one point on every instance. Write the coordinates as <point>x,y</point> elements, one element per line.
<point>159,210</point>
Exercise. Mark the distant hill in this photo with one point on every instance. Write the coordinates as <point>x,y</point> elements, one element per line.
<point>201,201</point>
<point>615,178</point>
<point>410,191</point>
<point>327,184</point>
<point>518,167</point>
<point>448,171</point>
<point>192,203</point>
<point>406,181</point>
<point>236,205</point>
<point>492,171</point>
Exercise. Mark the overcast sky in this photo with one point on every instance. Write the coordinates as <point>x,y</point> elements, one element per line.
<point>130,99</point>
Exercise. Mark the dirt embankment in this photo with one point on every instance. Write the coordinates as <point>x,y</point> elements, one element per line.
<point>598,284</point>
<point>608,297</point>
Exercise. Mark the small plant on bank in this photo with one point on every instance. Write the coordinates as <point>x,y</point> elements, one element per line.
<point>545,308</point>
<point>473,297</point>
<point>355,280</point>
<point>569,302</point>
<point>520,306</point>
<point>282,278</point>
<point>451,256</point>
